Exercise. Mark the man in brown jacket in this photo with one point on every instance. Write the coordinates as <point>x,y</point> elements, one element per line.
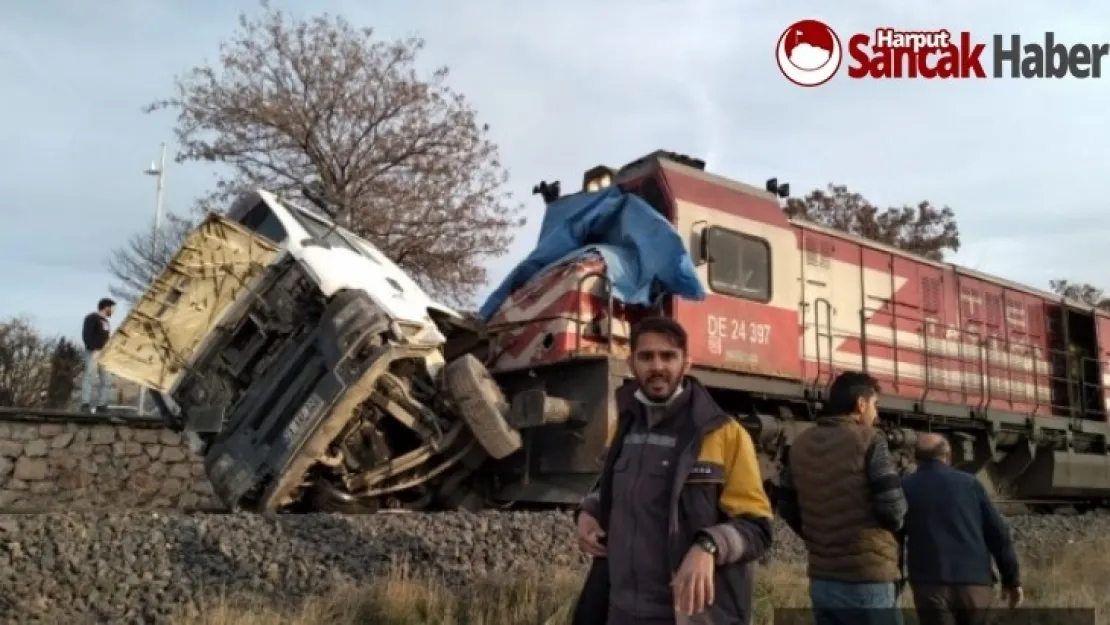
<point>841,493</point>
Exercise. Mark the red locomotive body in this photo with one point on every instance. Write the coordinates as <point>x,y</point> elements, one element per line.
<point>1013,375</point>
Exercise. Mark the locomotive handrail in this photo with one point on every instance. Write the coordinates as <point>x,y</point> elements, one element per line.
<point>1019,372</point>
<point>926,360</point>
<point>496,332</point>
<point>1057,361</point>
<point>975,355</point>
<point>817,305</point>
<point>1099,407</point>
<point>608,286</point>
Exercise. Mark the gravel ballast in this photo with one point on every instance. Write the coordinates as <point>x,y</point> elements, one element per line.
<point>139,567</point>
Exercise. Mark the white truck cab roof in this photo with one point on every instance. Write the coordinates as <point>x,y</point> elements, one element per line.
<point>347,262</point>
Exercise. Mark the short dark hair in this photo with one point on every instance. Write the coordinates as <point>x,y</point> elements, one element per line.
<point>105,302</point>
<point>659,325</point>
<point>847,389</point>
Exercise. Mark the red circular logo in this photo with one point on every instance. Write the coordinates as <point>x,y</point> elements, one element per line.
<point>809,53</point>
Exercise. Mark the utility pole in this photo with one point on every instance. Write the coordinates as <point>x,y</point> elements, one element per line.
<point>158,170</point>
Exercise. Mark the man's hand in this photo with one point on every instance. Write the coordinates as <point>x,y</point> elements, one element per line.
<point>693,584</point>
<point>1013,596</point>
<point>589,536</point>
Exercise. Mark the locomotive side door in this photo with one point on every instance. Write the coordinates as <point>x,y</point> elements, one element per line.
<point>748,322</point>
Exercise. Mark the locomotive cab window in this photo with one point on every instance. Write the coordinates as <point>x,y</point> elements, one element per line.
<point>739,264</point>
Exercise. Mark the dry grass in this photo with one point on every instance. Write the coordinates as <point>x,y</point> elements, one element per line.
<point>1071,578</point>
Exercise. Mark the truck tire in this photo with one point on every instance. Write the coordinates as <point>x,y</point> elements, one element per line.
<point>481,405</point>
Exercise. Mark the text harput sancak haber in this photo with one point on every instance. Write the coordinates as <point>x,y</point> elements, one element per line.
<point>891,53</point>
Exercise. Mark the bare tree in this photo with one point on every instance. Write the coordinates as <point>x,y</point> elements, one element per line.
<point>142,258</point>
<point>318,100</point>
<point>30,364</point>
<point>66,366</point>
<point>1082,292</point>
<point>922,229</point>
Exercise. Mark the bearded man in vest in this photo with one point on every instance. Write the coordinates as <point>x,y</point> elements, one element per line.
<point>842,494</point>
<point>679,514</point>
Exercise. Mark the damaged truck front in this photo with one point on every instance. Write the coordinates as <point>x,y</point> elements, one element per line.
<point>309,370</point>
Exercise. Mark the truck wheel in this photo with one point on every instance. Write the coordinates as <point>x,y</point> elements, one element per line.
<point>481,405</point>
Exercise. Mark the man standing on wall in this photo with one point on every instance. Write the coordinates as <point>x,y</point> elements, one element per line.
<point>679,513</point>
<point>953,530</point>
<point>95,334</point>
<point>841,493</point>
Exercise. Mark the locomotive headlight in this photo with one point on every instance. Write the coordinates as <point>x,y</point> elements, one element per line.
<point>600,182</point>
<point>598,178</point>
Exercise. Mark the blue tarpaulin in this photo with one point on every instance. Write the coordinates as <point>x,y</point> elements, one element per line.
<point>641,248</point>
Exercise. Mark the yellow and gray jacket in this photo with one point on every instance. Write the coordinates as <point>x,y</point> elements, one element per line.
<point>713,486</point>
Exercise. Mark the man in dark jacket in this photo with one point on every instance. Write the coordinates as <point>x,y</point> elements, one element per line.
<point>95,334</point>
<point>679,513</point>
<point>840,492</point>
<point>952,531</point>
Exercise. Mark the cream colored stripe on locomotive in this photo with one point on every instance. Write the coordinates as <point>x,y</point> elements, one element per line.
<point>950,379</point>
<point>843,285</point>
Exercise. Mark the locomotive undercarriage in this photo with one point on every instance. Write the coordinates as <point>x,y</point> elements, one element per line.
<point>1029,465</point>
<point>1037,465</point>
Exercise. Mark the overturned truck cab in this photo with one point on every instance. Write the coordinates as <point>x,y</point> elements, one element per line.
<point>309,370</point>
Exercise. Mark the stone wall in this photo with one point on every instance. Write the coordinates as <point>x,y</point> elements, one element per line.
<point>69,464</point>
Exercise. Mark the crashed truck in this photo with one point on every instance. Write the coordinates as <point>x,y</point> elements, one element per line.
<point>313,374</point>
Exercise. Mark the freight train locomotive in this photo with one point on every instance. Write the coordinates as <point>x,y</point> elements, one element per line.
<point>1013,375</point>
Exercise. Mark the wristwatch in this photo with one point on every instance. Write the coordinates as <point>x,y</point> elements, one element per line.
<point>706,543</point>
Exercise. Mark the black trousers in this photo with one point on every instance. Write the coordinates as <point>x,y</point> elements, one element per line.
<point>952,604</point>
<point>616,617</point>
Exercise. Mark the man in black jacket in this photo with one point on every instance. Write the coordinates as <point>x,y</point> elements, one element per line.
<point>679,514</point>
<point>953,530</point>
<point>95,334</point>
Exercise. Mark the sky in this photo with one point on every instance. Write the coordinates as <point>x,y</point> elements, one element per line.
<point>565,86</point>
